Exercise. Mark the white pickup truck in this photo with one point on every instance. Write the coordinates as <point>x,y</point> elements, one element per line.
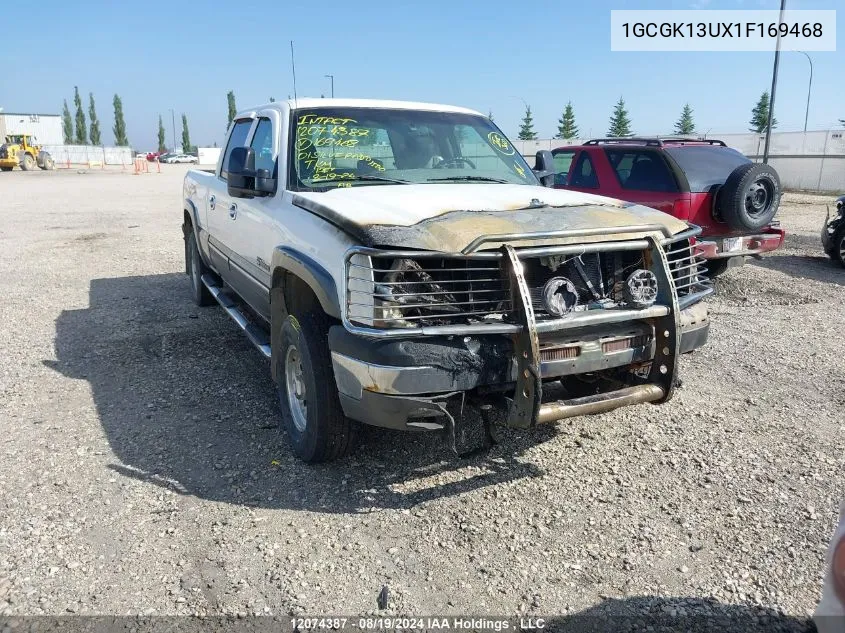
<point>401,265</point>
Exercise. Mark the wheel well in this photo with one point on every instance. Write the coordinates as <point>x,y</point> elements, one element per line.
<point>297,294</point>
<point>288,293</point>
<point>188,224</point>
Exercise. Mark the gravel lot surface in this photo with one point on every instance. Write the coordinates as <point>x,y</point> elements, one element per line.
<point>142,470</point>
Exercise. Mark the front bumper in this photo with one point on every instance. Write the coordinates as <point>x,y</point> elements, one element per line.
<point>407,384</point>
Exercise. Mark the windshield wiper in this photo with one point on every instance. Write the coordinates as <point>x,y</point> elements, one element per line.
<point>364,177</point>
<point>470,178</point>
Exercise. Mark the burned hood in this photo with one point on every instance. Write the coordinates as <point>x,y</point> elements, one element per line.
<point>448,217</point>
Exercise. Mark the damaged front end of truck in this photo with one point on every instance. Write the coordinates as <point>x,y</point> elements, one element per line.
<point>515,328</point>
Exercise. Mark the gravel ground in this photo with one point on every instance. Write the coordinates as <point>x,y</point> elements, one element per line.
<point>143,471</point>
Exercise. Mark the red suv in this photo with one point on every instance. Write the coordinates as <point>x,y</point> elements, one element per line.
<point>707,183</point>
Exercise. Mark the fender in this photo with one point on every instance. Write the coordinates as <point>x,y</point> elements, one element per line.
<point>191,210</point>
<point>286,259</point>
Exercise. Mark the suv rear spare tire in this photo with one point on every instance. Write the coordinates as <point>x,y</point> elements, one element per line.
<point>750,197</point>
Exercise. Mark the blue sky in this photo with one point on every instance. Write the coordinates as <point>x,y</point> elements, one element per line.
<point>486,55</point>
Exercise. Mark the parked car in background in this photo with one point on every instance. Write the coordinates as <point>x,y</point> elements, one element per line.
<point>833,233</point>
<point>180,158</point>
<point>152,156</point>
<point>706,183</point>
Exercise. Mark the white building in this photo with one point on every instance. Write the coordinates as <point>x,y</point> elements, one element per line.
<point>46,128</point>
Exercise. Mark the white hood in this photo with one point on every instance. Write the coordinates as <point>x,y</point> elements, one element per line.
<point>405,205</point>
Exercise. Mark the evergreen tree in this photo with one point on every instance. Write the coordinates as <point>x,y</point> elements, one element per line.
<point>566,127</point>
<point>161,146</point>
<point>272,99</point>
<point>841,121</point>
<point>233,111</point>
<point>526,128</point>
<point>67,125</point>
<point>685,125</point>
<point>81,137</point>
<point>490,115</point>
<point>620,122</point>
<point>186,137</point>
<point>760,115</point>
<point>94,131</point>
<point>119,128</point>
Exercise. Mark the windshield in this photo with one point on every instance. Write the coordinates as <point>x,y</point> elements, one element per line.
<point>705,166</point>
<point>349,147</point>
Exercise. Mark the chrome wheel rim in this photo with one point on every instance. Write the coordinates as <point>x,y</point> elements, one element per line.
<point>295,387</point>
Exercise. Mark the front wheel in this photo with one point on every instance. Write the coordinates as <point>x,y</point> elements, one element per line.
<point>27,162</point>
<point>311,411</point>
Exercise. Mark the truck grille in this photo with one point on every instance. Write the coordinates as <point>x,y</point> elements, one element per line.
<point>429,291</point>
<point>688,269</point>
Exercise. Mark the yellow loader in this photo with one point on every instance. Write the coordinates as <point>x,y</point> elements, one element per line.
<point>20,150</point>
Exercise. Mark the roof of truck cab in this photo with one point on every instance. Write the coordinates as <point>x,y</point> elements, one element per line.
<point>311,102</point>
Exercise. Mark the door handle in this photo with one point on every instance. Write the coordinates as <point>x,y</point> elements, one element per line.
<point>212,201</point>
<point>233,210</point>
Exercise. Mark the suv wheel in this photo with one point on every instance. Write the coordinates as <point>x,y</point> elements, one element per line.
<point>311,411</point>
<point>837,245</point>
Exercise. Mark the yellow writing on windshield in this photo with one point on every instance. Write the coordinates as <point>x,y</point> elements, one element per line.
<point>316,119</point>
<point>500,144</point>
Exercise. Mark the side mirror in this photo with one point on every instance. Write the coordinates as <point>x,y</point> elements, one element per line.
<point>240,178</point>
<point>544,167</point>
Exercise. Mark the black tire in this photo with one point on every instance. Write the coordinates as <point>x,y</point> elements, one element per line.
<point>750,197</point>
<point>716,267</point>
<point>196,269</point>
<point>326,434</point>
<point>7,168</point>
<point>47,163</point>
<point>27,162</point>
<point>837,245</point>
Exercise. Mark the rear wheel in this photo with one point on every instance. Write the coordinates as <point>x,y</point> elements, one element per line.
<point>837,245</point>
<point>196,269</point>
<point>313,418</point>
<point>27,162</point>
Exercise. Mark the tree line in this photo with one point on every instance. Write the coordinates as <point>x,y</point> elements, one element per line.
<point>620,124</point>
<point>85,133</point>
<point>78,130</point>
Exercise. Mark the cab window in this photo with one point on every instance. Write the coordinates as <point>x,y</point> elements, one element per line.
<point>262,145</point>
<point>584,174</point>
<point>236,139</point>
<point>562,162</point>
<point>641,170</point>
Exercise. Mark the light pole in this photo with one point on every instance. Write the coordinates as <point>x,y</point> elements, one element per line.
<point>173,123</point>
<point>809,88</point>
<point>774,87</point>
<point>332,78</point>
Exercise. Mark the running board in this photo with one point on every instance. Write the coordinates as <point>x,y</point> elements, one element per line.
<point>255,334</point>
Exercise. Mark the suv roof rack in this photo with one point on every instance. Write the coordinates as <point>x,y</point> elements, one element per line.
<point>651,142</point>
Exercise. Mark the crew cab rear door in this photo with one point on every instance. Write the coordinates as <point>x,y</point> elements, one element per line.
<point>643,176</point>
